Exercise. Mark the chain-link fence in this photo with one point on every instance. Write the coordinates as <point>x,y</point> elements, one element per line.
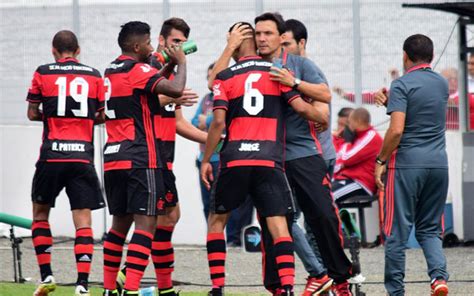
<point>357,43</point>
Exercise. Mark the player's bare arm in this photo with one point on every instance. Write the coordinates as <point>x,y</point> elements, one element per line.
<point>34,113</point>
<point>213,138</point>
<point>390,143</point>
<point>99,117</point>
<point>186,130</point>
<point>307,110</point>
<point>234,39</point>
<point>381,97</point>
<point>317,91</point>
<point>175,87</point>
<point>188,99</point>
<point>324,109</point>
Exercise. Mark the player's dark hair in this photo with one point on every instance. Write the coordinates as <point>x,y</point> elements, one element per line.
<point>130,30</point>
<point>177,24</point>
<point>419,48</point>
<point>344,112</point>
<point>274,17</point>
<point>65,41</point>
<point>240,25</point>
<point>298,29</point>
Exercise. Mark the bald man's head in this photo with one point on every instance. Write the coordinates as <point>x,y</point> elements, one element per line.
<point>65,41</point>
<point>359,119</point>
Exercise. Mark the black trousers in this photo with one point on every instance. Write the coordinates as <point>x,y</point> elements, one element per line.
<point>312,188</point>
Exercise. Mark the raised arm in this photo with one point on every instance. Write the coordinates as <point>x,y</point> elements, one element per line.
<point>175,87</point>
<point>234,39</point>
<point>186,130</point>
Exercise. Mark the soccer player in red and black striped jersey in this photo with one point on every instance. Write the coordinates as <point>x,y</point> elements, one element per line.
<point>251,108</point>
<point>132,162</point>
<point>72,98</point>
<point>169,120</point>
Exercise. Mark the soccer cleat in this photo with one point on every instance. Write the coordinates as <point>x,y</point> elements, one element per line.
<point>120,282</point>
<point>45,287</point>
<point>284,292</point>
<point>81,291</point>
<point>439,287</point>
<point>341,289</point>
<point>316,286</point>
<point>216,292</point>
<point>169,292</point>
<point>130,293</point>
<point>110,293</point>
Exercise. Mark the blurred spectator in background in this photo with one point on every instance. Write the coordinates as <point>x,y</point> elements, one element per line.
<point>452,112</point>
<point>367,97</point>
<point>355,162</point>
<point>240,217</point>
<point>470,71</point>
<point>337,135</point>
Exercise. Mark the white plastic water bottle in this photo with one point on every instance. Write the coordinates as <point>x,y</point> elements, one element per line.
<point>149,291</point>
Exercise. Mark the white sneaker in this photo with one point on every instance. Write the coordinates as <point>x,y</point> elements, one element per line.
<point>81,291</point>
<point>45,287</point>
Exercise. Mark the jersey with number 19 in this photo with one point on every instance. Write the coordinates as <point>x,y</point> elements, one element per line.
<point>70,94</point>
<point>255,131</point>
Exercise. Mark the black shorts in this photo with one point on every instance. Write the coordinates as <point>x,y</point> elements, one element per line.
<point>171,193</point>
<point>79,179</point>
<point>268,188</point>
<point>135,191</point>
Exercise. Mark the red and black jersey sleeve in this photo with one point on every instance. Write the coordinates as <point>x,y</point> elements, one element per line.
<point>34,92</point>
<point>144,77</point>
<point>221,100</point>
<point>288,94</point>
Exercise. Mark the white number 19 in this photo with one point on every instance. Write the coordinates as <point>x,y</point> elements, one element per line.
<point>80,97</point>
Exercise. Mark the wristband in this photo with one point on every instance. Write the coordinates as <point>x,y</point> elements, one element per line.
<point>379,161</point>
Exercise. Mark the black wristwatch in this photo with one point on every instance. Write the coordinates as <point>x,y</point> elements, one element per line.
<point>296,82</point>
<point>379,161</point>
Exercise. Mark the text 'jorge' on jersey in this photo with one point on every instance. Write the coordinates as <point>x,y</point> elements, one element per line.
<point>255,131</point>
<point>165,124</point>
<point>70,94</point>
<point>129,109</point>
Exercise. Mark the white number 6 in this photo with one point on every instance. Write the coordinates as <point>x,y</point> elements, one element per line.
<point>253,98</point>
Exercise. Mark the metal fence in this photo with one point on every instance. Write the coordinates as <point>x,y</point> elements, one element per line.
<point>357,43</point>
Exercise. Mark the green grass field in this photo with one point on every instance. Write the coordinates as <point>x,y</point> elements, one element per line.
<point>11,289</point>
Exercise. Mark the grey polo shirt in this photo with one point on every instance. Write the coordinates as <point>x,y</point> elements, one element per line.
<point>422,95</point>
<point>301,139</point>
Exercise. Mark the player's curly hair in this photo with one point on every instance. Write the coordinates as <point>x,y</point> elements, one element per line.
<point>130,30</point>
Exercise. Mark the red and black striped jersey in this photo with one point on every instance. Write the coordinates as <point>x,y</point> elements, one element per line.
<point>130,109</point>
<point>255,130</point>
<point>165,124</point>
<point>70,94</point>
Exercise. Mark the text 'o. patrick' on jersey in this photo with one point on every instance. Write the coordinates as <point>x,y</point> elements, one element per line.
<point>70,94</point>
<point>255,133</point>
<point>129,110</point>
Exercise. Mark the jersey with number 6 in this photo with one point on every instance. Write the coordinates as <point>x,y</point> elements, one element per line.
<point>70,94</point>
<point>255,130</point>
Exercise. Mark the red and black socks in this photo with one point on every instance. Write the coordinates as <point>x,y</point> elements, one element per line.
<point>285,260</point>
<point>43,243</point>
<point>113,248</point>
<point>162,254</point>
<point>83,249</point>
<point>137,258</point>
<point>216,253</point>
